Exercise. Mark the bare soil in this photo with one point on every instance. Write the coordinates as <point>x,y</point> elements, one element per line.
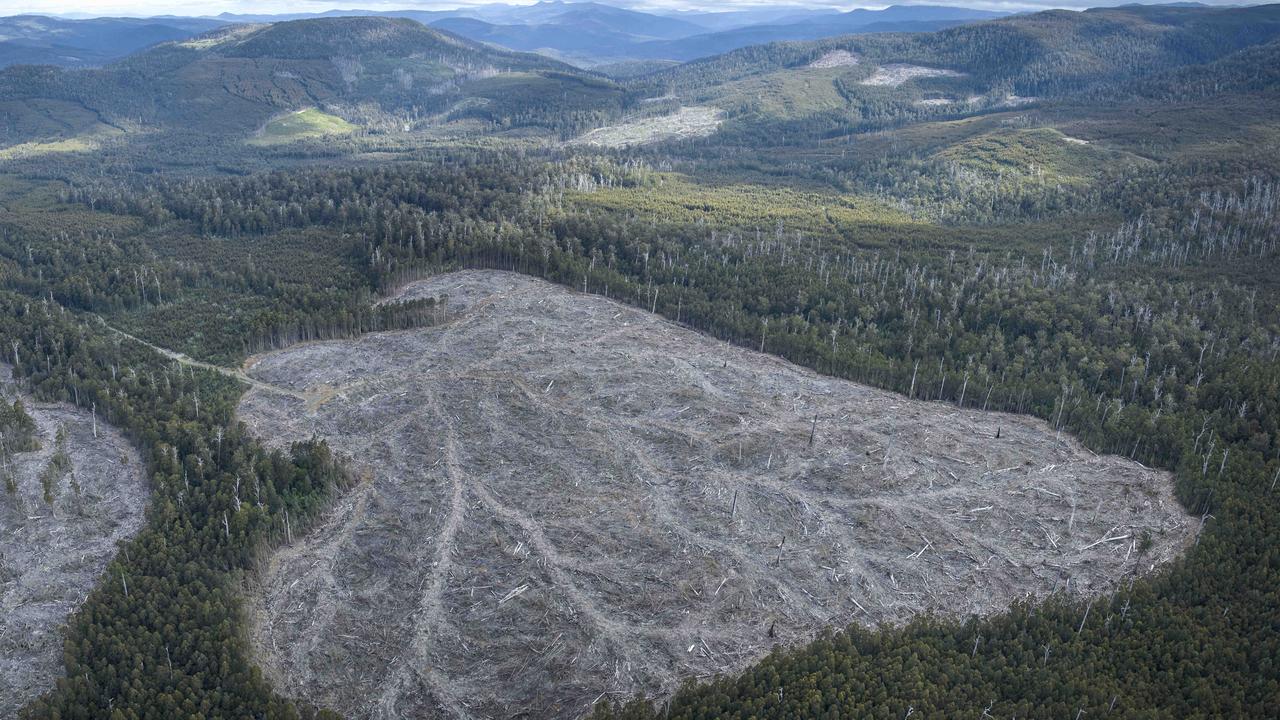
<point>836,58</point>
<point>567,499</point>
<point>896,74</point>
<point>52,555</point>
<point>1011,100</point>
<point>687,122</point>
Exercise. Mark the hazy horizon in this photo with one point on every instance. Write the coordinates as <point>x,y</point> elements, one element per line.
<point>213,8</point>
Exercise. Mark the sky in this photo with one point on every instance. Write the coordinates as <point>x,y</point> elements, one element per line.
<point>146,8</point>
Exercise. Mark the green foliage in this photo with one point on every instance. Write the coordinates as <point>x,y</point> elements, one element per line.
<point>235,80</point>
<point>565,102</point>
<point>1039,154</point>
<point>302,124</point>
<point>168,644</point>
<point>746,206</point>
<point>1155,340</point>
<point>18,431</point>
<point>1042,54</point>
<point>58,467</point>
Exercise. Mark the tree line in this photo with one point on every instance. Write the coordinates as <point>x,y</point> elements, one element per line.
<point>1173,364</point>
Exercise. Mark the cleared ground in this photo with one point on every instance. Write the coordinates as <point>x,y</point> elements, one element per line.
<point>52,554</point>
<point>687,122</point>
<point>836,58</point>
<point>567,498</point>
<point>896,74</point>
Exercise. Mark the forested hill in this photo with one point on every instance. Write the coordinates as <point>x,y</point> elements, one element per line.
<point>1043,54</point>
<point>382,75</point>
<point>234,79</point>
<point>367,37</point>
<point>1255,69</point>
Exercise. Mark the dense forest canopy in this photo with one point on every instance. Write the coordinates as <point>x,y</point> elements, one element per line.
<point>1093,242</point>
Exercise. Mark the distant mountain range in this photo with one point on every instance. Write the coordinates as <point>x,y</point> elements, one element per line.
<point>583,33</point>
<point>39,40</point>
<point>589,33</point>
<point>549,10</point>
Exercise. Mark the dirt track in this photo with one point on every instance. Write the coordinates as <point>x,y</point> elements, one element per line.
<point>52,555</point>
<point>568,498</point>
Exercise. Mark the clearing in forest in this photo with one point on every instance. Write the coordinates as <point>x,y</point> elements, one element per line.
<point>301,124</point>
<point>836,58</point>
<point>68,496</point>
<point>83,143</point>
<point>567,498</point>
<point>896,74</point>
<point>687,122</point>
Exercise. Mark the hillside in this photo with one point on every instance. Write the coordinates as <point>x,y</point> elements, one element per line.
<point>393,75</point>
<point>39,40</point>
<point>802,93</point>
<point>896,18</point>
<point>593,33</point>
<point>1049,53</point>
<point>233,80</point>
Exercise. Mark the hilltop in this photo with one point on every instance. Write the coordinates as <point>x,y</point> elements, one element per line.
<point>233,80</point>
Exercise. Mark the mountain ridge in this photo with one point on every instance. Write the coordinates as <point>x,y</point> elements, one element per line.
<point>233,79</point>
<point>385,73</point>
<point>587,33</point>
<point>39,39</point>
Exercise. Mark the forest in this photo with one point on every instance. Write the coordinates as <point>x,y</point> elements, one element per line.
<point>1123,290</point>
<point>1119,339</point>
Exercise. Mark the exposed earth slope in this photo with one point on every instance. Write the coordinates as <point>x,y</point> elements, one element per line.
<point>71,501</point>
<point>566,498</point>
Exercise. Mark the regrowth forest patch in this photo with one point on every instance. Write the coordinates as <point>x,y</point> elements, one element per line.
<point>567,499</point>
<point>308,123</point>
